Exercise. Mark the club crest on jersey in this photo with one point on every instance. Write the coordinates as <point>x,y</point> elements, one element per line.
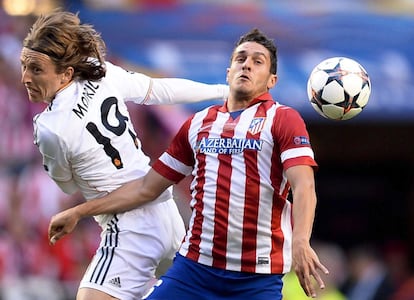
<point>256,125</point>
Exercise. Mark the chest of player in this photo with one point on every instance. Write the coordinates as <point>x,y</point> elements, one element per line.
<point>225,135</point>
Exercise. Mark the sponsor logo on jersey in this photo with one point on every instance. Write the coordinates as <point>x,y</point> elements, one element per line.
<point>227,145</point>
<point>301,140</point>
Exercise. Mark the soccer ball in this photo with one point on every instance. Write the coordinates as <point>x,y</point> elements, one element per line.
<point>339,88</point>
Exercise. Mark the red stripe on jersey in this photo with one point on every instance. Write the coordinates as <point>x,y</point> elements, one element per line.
<point>194,241</point>
<point>304,160</point>
<point>277,235</point>
<point>221,218</point>
<point>167,172</point>
<point>180,147</point>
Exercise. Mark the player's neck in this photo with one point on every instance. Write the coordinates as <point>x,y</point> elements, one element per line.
<point>236,104</point>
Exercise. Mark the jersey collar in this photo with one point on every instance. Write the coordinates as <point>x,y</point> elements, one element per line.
<point>262,98</point>
<point>64,97</point>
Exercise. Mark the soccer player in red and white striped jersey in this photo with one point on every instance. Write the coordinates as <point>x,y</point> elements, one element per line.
<point>244,157</point>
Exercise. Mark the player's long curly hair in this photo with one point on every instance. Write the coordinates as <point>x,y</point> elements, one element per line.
<point>68,43</point>
<point>255,35</point>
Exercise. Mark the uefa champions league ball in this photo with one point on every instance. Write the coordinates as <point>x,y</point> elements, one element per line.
<point>339,88</point>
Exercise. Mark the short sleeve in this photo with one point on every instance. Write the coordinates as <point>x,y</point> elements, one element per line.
<point>291,134</point>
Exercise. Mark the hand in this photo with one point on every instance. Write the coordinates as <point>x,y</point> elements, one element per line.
<point>62,224</point>
<point>307,265</point>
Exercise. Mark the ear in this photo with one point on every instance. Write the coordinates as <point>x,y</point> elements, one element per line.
<point>272,81</point>
<point>227,75</point>
<point>67,76</point>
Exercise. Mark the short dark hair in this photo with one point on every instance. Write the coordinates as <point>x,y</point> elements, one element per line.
<point>255,35</point>
<point>61,36</point>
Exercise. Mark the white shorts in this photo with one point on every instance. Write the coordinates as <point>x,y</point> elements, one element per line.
<point>131,248</point>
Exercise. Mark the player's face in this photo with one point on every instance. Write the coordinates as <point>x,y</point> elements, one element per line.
<point>249,73</point>
<point>39,76</point>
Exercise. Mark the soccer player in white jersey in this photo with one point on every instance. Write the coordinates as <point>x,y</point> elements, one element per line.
<point>245,156</point>
<point>88,143</point>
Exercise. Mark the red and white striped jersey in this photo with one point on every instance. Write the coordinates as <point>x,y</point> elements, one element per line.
<point>241,218</point>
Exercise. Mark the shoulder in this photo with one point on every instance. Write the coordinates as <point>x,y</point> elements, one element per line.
<point>197,119</point>
<point>213,109</point>
<point>286,115</point>
<point>112,68</point>
<point>284,111</point>
<point>122,76</point>
<point>206,115</point>
<point>288,122</point>
<point>49,126</point>
<point>47,136</point>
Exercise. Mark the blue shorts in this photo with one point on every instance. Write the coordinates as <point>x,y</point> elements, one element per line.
<point>189,280</point>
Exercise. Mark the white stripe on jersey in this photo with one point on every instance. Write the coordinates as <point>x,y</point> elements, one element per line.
<point>293,153</point>
<point>175,164</point>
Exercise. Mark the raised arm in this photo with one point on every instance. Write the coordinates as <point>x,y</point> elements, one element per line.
<point>177,90</point>
<point>305,261</point>
<point>143,89</point>
<point>125,198</point>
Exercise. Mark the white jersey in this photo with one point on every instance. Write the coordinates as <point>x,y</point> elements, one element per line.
<point>86,136</point>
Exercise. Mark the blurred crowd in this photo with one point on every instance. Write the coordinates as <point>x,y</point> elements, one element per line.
<point>32,269</point>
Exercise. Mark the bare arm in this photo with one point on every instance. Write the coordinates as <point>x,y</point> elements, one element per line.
<point>305,261</point>
<point>127,197</point>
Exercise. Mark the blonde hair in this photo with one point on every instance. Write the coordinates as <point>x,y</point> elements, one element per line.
<point>68,43</point>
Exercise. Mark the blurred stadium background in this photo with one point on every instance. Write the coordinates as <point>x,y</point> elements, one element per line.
<point>365,218</point>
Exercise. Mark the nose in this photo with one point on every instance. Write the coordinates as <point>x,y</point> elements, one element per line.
<point>247,64</point>
<point>25,77</point>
